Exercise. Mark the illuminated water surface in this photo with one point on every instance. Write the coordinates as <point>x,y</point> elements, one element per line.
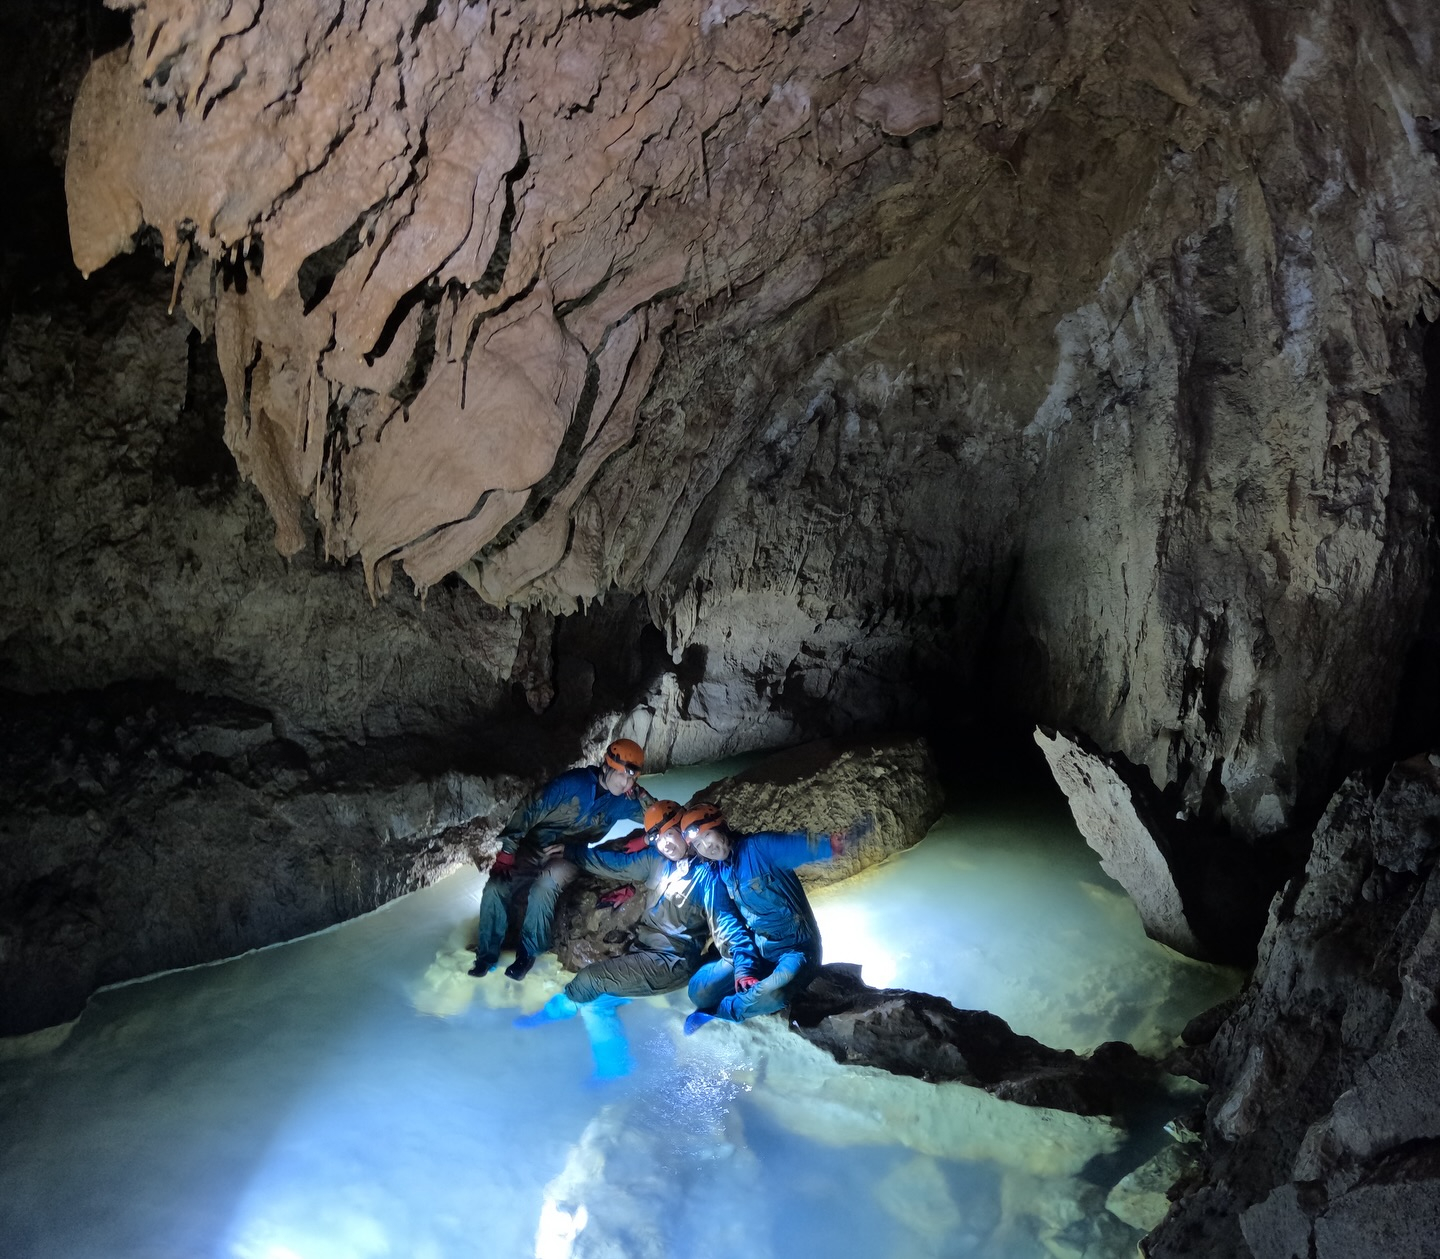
<point>355,1095</point>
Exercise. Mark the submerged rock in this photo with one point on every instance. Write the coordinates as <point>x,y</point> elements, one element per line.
<point>805,1087</point>
<point>1142,1197</point>
<point>916,1034</point>
<point>636,1178</point>
<point>953,1171</point>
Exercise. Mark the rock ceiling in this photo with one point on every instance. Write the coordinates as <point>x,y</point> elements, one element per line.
<point>476,223</point>
<point>1091,334</point>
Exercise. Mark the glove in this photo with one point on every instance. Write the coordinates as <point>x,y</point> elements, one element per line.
<point>616,897</point>
<point>743,983</point>
<point>503,866</point>
<point>636,843</point>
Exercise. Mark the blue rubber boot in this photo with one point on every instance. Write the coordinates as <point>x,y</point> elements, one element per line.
<point>695,1020</point>
<point>558,1007</point>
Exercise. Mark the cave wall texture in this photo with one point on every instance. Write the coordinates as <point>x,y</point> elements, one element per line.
<point>727,373</point>
<point>1084,345</point>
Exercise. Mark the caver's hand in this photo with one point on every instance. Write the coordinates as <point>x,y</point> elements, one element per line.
<point>841,840</point>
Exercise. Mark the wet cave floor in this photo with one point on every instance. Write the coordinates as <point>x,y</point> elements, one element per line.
<point>355,1095</point>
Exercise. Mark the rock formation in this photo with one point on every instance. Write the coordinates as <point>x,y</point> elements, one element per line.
<point>892,786</point>
<point>147,829</point>
<point>890,789</point>
<point>915,1034</point>
<point>1204,896</point>
<point>1322,1135</point>
<point>731,374</point>
<point>1025,1191</point>
<point>871,342</point>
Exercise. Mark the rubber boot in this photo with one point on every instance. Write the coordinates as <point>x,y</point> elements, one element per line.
<point>558,1007</point>
<point>484,964</point>
<point>695,1020</point>
<point>520,967</point>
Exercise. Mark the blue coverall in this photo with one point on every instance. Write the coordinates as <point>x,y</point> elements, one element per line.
<point>760,876</point>
<point>686,903</point>
<point>572,807</point>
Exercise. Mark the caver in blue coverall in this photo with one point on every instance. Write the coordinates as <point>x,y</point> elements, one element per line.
<point>573,807</point>
<point>760,876</point>
<point>686,904</point>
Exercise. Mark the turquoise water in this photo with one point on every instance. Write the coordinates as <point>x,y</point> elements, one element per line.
<point>355,1094</point>
<point>1004,908</point>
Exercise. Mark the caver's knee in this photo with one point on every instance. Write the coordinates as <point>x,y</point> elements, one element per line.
<point>551,882</point>
<point>710,983</point>
<point>558,875</point>
<point>584,988</point>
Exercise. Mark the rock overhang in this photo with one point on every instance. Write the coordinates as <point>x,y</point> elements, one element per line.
<point>846,333</point>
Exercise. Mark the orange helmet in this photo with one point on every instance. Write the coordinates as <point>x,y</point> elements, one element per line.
<point>703,817</point>
<point>662,815</point>
<point>625,755</point>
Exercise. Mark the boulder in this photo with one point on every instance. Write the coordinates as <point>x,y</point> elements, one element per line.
<point>832,784</point>
<point>1198,890</point>
<point>1119,827</point>
<point>822,786</point>
<point>586,931</point>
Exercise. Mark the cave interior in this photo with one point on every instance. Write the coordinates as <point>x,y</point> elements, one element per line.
<point>402,400</point>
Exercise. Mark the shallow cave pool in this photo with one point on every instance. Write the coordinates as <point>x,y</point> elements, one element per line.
<point>355,1094</point>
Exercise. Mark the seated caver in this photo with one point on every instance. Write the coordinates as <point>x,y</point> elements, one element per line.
<point>686,905</point>
<point>581,805</point>
<point>758,872</point>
